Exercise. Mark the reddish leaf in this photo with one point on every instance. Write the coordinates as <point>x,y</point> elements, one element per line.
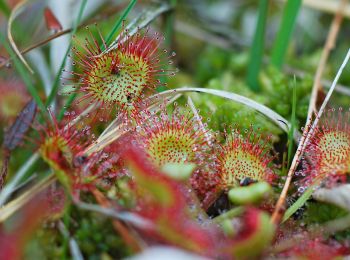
<point>253,237</point>
<point>16,232</point>
<point>15,134</point>
<point>51,21</point>
<point>163,202</point>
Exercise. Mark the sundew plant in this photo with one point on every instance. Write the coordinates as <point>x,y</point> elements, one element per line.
<point>174,129</point>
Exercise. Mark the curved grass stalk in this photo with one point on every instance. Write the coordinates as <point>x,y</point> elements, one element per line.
<point>198,119</point>
<point>14,205</point>
<point>18,8</point>
<point>9,188</point>
<point>117,131</point>
<point>141,21</point>
<point>275,117</point>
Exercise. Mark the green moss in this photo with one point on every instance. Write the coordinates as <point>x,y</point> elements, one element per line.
<point>219,112</point>
<point>96,236</point>
<point>47,243</point>
<point>317,212</point>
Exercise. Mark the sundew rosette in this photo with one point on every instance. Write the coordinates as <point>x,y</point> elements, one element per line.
<point>62,144</point>
<point>244,158</point>
<point>327,154</point>
<point>173,137</point>
<point>118,78</point>
<point>58,144</point>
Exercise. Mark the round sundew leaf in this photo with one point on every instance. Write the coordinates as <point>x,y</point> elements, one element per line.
<point>179,171</point>
<point>171,138</point>
<point>243,157</point>
<point>55,152</point>
<point>239,164</point>
<point>119,78</point>
<point>327,152</point>
<point>120,84</point>
<point>171,146</point>
<point>334,147</point>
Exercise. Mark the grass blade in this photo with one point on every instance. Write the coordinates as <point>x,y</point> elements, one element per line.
<point>275,117</point>
<point>54,88</point>
<point>292,122</point>
<point>119,23</point>
<point>141,21</point>
<point>298,204</point>
<point>285,32</point>
<point>257,50</point>
<point>14,13</point>
<point>10,187</point>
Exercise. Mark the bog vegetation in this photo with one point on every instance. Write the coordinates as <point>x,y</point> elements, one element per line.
<point>174,128</point>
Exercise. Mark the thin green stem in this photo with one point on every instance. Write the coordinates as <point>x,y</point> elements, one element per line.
<point>257,50</point>
<point>169,18</point>
<point>285,32</point>
<point>299,203</point>
<point>121,19</point>
<point>66,106</point>
<point>292,122</point>
<point>54,89</point>
<point>229,214</point>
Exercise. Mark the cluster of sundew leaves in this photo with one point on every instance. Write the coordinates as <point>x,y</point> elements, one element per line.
<point>178,137</point>
<point>172,142</point>
<point>118,78</point>
<point>253,158</point>
<point>250,159</point>
<point>327,154</point>
<point>282,110</point>
<point>61,146</point>
<point>165,204</point>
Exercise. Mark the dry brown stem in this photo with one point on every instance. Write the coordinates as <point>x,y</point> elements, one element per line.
<point>329,45</point>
